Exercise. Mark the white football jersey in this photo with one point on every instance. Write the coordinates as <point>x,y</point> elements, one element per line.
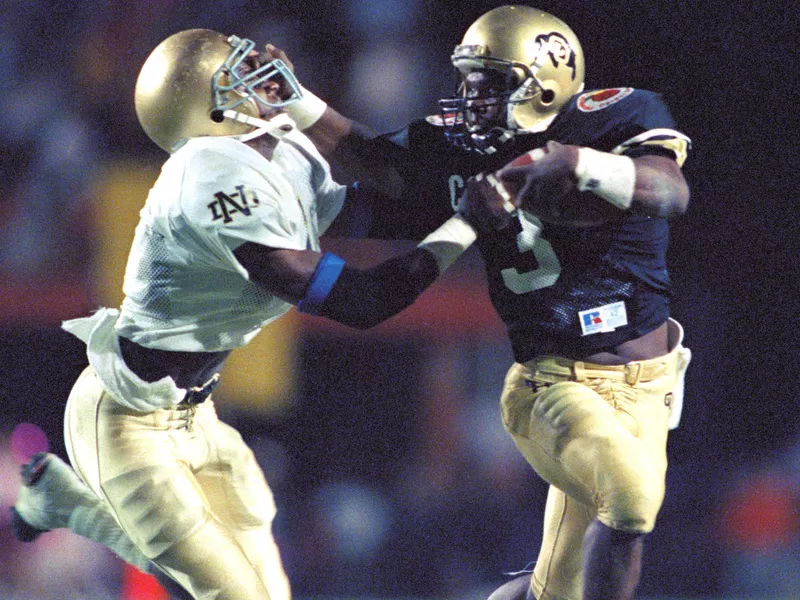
<point>184,288</point>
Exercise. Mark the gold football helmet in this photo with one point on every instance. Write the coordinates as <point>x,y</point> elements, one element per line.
<point>201,83</point>
<point>541,59</point>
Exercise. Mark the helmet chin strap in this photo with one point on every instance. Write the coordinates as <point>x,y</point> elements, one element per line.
<point>278,126</point>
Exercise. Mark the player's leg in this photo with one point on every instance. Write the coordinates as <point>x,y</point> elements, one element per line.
<point>645,402</point>
<point>611,546</point>
<point>52,496</point>
<point>211,564</point>
<point>47,497</point>
<point>240,500</point>
<point>626,480</point>
<point>142,465</point>
<point>613,562</point>
<point>576,440</point>
<point>239,494</point>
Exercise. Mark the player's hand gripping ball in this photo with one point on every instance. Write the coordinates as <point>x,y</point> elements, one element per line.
<point>486,204</point>
<point>543,182</point>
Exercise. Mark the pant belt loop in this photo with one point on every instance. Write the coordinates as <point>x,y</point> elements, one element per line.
<point>579,371</point>
<point>633,371</point>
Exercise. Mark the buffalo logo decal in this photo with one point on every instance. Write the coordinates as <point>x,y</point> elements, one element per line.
<point>554,47</point>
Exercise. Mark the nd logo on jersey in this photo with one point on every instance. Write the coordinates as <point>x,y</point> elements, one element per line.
<point>226,205</point>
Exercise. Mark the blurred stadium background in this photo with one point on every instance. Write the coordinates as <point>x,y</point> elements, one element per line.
<point>392,473</point>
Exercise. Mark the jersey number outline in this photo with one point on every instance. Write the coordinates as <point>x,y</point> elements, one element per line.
<point>548,268</point>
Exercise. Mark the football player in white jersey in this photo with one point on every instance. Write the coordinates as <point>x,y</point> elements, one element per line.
<point>228,240</point>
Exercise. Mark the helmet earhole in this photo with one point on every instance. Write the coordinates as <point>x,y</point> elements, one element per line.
<point>217,116</point>
<point>548,96</point>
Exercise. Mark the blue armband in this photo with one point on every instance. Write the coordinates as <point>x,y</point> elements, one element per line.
<point>322,281</point>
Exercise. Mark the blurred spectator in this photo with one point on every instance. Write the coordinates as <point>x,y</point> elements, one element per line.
<point>759,527</point>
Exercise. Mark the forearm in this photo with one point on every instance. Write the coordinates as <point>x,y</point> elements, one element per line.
<point>351,148</point>
<point>329,130</point>
<point>650,184</point>
<point>325,126</point>
<point>544,180</point>
<point>357,153</point>
<point>660,190</point>
<point>365,298</point>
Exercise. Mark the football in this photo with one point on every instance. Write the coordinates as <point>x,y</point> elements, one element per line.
<point>571,207</point>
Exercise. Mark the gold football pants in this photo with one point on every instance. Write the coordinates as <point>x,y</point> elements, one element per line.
<point>184,487</point>
<point>597,434</point>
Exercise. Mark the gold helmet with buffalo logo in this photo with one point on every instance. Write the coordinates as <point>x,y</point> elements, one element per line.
<point>540,57</point>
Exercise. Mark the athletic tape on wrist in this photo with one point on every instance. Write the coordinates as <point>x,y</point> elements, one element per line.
<point>327,272</point>
<point>449,241</point>
<point>306,111</point>
<point>610,176</point>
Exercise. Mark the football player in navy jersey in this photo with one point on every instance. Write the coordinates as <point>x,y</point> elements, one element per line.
<point>579,276</point>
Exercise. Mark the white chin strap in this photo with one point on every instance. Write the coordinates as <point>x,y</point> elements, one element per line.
<point>278,126</point>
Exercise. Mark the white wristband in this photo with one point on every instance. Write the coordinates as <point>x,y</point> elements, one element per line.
<point>610,176</point>
<point>306,111</point>
<point>449,242</point>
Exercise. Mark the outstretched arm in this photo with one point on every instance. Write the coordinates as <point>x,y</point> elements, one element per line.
<point>326,127</point>
<point>348,145</point>
<point>324,285</point>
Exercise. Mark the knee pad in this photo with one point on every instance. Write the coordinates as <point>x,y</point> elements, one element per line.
<point>630,489</point>
<point>605,463</point>
<point>157,506</point>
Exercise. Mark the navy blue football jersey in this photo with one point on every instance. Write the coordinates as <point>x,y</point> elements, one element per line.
<point>560,290</point>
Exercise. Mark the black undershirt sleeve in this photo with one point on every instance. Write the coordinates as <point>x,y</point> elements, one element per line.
<point>365,298</point>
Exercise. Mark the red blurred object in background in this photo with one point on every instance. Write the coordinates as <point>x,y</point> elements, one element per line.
<point>137,585</point>
<point>761,515</point>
